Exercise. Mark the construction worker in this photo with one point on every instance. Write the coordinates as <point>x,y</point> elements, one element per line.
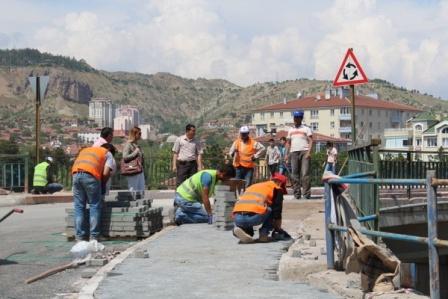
<point>195,192</point>
<point>90,171</point>
<point>43,180</point>
<point>300,144</point>
<point>261,203</point>
<point>245,151</point>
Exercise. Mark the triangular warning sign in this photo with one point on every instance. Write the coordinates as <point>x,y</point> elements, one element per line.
<point>350,72</point>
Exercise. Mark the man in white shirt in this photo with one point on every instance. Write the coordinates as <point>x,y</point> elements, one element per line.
<point>272,156</point>
<point>300,144</point>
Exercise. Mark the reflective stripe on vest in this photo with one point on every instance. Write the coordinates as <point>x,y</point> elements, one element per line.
<point>245,153</point>
<point>40,175</point>
<point>256,199</point>
<point>191,189</point>
<point>91,160</point>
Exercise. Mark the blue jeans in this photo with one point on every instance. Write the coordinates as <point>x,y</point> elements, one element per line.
<point>54,187</point>
<point>189,211</point>
<point>246,174</point>
<point>330,167</point>
<point>249,221</point>
<point>87,189</point>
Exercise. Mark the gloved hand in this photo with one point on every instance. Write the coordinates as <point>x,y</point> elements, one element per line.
<point>210,219</point>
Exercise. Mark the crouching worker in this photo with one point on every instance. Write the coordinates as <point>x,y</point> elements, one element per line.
<point>261,203</point>
<point>195,192</point>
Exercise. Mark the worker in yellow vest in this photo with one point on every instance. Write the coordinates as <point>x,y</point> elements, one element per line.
<point>195,192</point>
<point>43,180</point>
<point>245,151</point>
<point>261,203</point>
<point>90,171</point>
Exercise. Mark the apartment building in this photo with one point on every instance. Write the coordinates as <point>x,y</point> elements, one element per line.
<point>102,111</point>
<point>330,114</point>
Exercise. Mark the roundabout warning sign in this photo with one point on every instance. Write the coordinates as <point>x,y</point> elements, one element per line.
<point>350,72</point>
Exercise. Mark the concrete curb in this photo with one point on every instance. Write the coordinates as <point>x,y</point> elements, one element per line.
<point>88,290</point>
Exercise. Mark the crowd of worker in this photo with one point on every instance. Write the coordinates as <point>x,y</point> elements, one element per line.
<point>260,204</point>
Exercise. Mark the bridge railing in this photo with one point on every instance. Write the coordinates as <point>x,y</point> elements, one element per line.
<point>431,240</point>
<point>14,172</point>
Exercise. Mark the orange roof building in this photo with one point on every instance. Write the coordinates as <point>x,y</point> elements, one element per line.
<point>330,114</point>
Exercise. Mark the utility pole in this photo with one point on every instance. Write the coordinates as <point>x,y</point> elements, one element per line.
<point>352,92</point>
<point>37,118</point>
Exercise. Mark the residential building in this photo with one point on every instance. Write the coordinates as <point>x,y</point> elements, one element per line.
<point>102,111</point>
<point>130,111</point>
<point>88,137</point>
<point>146,131</point>
<point>423,133</point>
<point>123,123</point>
<point>330,114</point>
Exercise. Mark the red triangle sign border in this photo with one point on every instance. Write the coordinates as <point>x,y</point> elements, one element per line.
<point>358,66</point>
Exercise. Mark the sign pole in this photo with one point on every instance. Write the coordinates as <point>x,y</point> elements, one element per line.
<point>37,117</point>
<point>352,92</point>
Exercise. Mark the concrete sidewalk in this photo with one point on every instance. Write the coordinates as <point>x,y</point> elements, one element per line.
<point>198,261</point>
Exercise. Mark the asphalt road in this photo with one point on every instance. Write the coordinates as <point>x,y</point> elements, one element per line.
<point>31,243</point>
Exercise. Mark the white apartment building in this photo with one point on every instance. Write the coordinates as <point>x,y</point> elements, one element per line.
<point>330,114</point>
<point>422,133</point>
<point>102,111</point>
<point>89,137</point>
<point>146,131</point>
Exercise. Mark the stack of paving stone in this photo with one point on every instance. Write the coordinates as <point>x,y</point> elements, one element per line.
<point>222,211</point>
<point>124,216</point>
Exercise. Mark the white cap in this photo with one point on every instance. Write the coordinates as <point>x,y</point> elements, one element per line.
<point>244,129</point>
<point>49,159</point>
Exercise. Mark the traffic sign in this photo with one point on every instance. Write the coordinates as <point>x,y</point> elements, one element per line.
<point>43,83</point>
<point>350,72</point>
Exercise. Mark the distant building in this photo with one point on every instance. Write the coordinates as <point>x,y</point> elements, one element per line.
<point>126,117</point>
<point>102,111</point>
<point>89,137</point>
<point>146,131</point>
<point>330,114</point>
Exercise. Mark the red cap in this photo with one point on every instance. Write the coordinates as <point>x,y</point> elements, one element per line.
<point>281,179</point>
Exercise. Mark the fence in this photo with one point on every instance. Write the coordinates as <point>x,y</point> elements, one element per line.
<point>432,240</point>
<point>14,172</point>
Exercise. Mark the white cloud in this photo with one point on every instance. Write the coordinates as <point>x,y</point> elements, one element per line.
<point>244,42</point>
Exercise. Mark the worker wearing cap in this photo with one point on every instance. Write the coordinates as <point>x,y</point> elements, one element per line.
<point>91,169</point>
<point>43,179</point>
<point>300,143</point>
<point>261,203</point>
<point>245,151</point>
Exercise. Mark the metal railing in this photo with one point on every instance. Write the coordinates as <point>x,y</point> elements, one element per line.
<point>14,172</point>
<point>432,240</point>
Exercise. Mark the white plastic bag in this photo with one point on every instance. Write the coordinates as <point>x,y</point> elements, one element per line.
<point>83,249</point>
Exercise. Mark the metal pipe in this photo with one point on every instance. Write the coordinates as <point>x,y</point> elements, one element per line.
<point>433,253</point>
<point>367,218</point>
<point>328,234</point>
<point>359,175</point>
<point>377,181</point>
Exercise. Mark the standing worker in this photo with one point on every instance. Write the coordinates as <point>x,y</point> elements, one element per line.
<point>106,136</point>
<point>195,192</point>
<point>187,155</point>
<point>91,169</point>
<point>300,144</point>
<point>261,203</point>
<point>43,179</point>
<point>245,151</point>
<point>272,156</point>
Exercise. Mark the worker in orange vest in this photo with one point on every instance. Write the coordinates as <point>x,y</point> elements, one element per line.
<point>245,151</point>
<point>261,203</point>
<point>90,171</point>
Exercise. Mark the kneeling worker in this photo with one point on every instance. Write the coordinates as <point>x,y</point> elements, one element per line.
<point>195,192</point>
<point>44,180</point>
<point>261,203</point>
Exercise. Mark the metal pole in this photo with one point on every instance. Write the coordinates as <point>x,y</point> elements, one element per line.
<point>433,253</point>
<point>37,117</point>
<point>328,234</point>
<point>26,174</point>
<point>352,88</point>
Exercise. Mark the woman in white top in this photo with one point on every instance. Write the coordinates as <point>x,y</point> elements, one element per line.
<point>332,154</point>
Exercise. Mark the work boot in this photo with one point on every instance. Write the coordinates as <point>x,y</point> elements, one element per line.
<point>242,235</point>
<point>249,231</point>
<point>264,238</point>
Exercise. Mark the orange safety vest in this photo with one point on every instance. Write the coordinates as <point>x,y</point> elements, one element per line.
<point>256,198</point>
<point>245,153</point>
<point>91,160</point>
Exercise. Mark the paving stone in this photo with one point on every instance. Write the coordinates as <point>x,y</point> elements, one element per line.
<point>88,273</point>
<point>96,262</point>
<point>222,188</point>
<point>312,243</point>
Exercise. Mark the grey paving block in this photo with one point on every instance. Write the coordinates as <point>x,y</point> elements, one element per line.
<point>96,262</point>
<point>88,273</point>
<point>222,188</point>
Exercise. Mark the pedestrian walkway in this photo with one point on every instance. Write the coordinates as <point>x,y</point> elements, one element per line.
<point>198,261</point>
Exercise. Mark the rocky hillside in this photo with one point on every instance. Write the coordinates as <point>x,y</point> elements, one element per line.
<point>167,101</point>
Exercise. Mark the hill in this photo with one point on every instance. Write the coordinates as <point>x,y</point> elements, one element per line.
<point>165,100</point>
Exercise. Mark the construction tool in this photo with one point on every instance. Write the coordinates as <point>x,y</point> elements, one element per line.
<point>16,210</point>
<point>52,271</point>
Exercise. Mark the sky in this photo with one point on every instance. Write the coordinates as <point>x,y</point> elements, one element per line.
<point>243,41</point>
